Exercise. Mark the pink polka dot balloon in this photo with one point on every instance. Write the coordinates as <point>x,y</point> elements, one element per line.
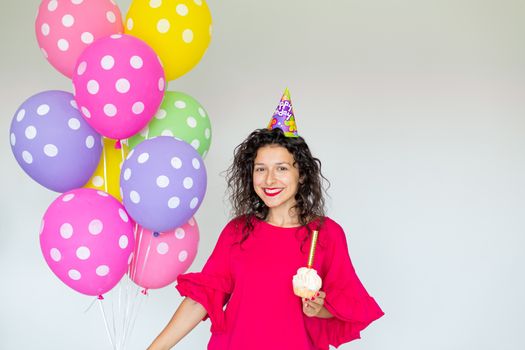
<point>64,28</point>
<point>119,84</point>
<point>87,240</point>
<point>159,259</point>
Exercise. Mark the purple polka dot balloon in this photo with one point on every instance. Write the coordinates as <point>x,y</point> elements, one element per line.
<point>53,143</point>
<point>163,182</point>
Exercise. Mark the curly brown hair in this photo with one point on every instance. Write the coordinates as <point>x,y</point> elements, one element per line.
<point>246,203</point>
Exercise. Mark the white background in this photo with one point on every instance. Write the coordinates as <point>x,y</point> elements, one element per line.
<point>416,109</point>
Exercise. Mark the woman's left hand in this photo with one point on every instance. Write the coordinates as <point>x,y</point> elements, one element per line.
<point>314,307</point>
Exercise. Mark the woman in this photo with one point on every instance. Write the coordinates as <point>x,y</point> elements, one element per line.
<point>276,191</point>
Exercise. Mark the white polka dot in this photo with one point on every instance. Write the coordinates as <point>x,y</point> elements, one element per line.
<point>93,87</point>
<point>127,174</point>
<point>180,233</point>
<point>66,230</point>
<point>182,10</point>
<point>77,2</point>
<point>68,197</point>
<point>20,115</point>
<point>97,181</point>
<point>134,196</point>
<point>30,132</point>
<point>45,29</point>
<point>73,123</point>
<point>187,183</point>
<point>63,44</point>
<point>115,36</point>
<point>95,227</point>
<point>85,112</point>
<point>87,37</point>
<point>44,52</point>
<point>138,107</point>
<point>28,158</point>
<point>111,17</point>
<point>201,112</point>
<point>163,181</point>
<point>110,110</point>
<point>173,202</point>
<point>129,23</point>
<point>83,253</point>
<point>123,215</point>
<point>196,144</point>
<point>13,139</point>
<point>42,109</point>
<point>136,62</point>
<point>180,104</point>
<point>196,164</point>
<point>55,254</point>
<point>194,202</point>
<point>122,85</point>
<point>163,25</point>
<point>207,133</point>
<point>143,158</point>
<point>155,3</point>
<point>50,150</point>
<point>166,132</point>
<point>161,84</point>
<point>187,36</point>
<point>107,62</point>
<point>73,104</point>
<point>52,5</point>
<point>123,241</point>
<point>102,194</point>
<point>74,274</point>
<point>68,20</point>
<point>183,255</point>
<point>161,114</point>
<point>192,122</point>
<point>90,142</point>
<point>176,162</point>
<point>102,270</point>
<point>81,69</point>
<point>162,248</point>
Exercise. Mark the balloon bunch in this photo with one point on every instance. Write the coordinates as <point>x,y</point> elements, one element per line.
<point>126,154</point>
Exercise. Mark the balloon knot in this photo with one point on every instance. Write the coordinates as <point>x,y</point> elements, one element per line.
<point>100,297</point>
<point>118,145</point>
<point>145,291</point>
<point>156,234</point>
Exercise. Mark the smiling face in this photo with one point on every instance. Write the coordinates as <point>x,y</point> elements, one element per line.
<point>275,178</point>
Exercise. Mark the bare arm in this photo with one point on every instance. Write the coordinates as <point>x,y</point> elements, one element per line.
<point>188,315</point>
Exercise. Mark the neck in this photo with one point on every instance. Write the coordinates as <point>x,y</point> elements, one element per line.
<point>282,218</point>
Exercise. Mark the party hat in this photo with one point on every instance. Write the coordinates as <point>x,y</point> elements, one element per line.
<point>283,117</point>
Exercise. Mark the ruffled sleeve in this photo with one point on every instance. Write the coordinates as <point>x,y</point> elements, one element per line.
<point>346,298</point>
<point>213,286</point>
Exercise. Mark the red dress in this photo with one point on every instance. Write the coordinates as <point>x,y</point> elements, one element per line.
<point>255,282</point>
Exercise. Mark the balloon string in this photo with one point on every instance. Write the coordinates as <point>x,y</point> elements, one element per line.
<point>106,323</point>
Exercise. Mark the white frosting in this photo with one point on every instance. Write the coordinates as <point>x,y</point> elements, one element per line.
<point>307,278</point>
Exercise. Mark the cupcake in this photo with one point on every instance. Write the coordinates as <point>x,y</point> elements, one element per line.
<point>306,283</point>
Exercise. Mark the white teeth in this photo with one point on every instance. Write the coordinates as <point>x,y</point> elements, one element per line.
<point>273,191</point>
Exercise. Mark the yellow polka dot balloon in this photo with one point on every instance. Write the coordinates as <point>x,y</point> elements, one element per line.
<point>107,176</point>
<point>178,30</point>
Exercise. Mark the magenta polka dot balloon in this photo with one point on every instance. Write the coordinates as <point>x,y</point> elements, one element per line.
<point>64,28</point>
<point>159,259</point>
<point>119,84</point>
<point>87,240</point>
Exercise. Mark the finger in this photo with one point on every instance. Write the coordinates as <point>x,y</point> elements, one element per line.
<point>313,306</point>
<point>318,301</point>
<point>321,294</point>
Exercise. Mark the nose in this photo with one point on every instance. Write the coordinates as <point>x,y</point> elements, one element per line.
<point>270,178</point>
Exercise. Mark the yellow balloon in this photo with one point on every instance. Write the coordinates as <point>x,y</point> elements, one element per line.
<point>178,30</point>
<point>107,176</point>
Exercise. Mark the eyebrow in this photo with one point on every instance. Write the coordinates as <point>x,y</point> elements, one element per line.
<point>279,163</point>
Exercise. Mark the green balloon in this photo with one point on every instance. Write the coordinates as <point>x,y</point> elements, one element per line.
<point>180,116</point>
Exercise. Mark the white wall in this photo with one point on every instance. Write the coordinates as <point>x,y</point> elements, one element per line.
<point>416,109</point>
